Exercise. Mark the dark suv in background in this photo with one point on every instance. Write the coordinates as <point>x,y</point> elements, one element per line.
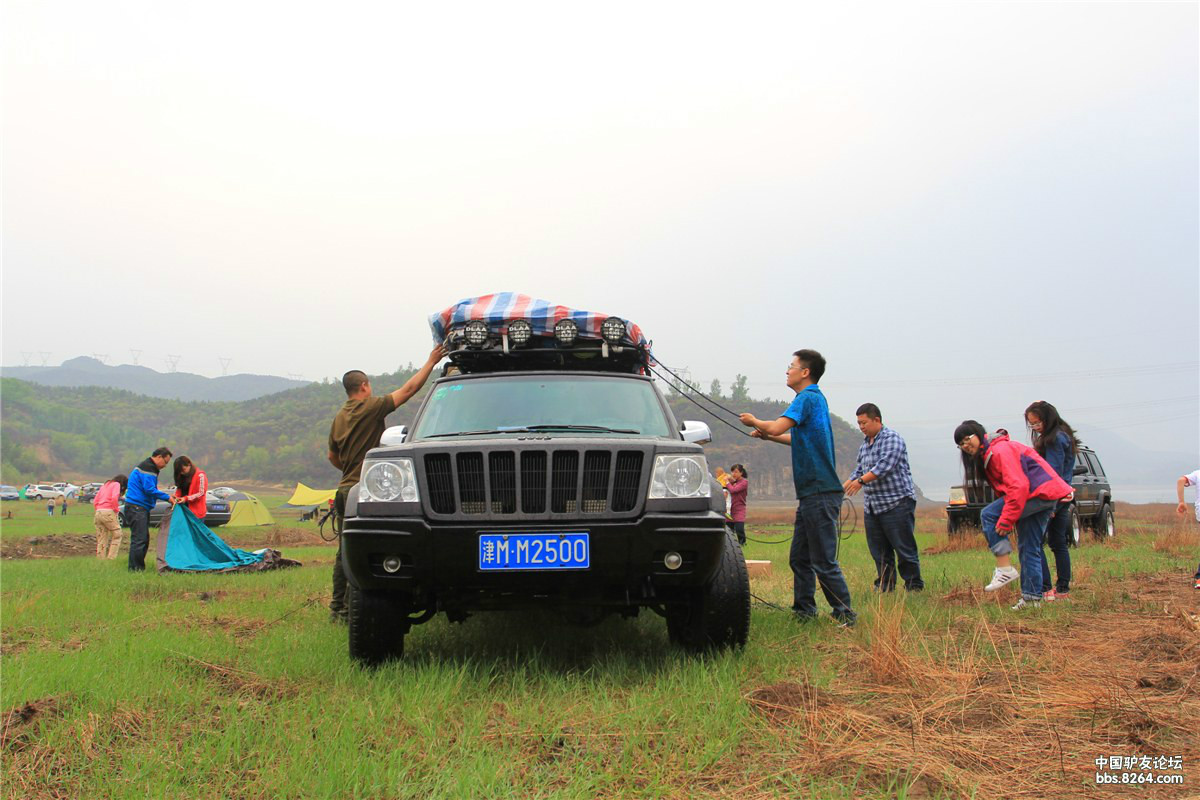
<point>1092,509</point>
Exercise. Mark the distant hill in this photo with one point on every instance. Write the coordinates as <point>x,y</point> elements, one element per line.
<point>87,371</point>
<point>92,432</point>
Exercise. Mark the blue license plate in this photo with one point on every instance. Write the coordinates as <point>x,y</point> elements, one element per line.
<point>218,507</point>
<point>534,551</point>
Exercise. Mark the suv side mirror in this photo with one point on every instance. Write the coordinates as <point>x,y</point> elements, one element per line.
<point>393,435</point>
<point>696,432</point>
<point>1080,469</point>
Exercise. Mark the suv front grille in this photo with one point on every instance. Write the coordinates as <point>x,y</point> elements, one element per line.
<point>440,483</point>
<point>532,482</point>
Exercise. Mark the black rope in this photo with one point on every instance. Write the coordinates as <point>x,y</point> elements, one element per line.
<point>693,388</point>
<point>769,604</point>
<point>691,399</point>
<point>844,515</point>
<point>335,525</point>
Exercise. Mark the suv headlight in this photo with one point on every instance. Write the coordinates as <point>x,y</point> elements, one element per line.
<point>679,476</point>
<point>394,480</point>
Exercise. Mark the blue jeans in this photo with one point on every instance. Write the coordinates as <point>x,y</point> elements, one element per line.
<point>139,535</point>
<point>890,537</point>
<point>1031,528</point>
<point>814,557</point>
<point>1057,534</point>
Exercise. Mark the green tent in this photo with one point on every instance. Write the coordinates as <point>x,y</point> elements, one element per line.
<point>245,510</point>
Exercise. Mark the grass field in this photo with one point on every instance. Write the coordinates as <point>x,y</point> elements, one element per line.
<point>237,686</point>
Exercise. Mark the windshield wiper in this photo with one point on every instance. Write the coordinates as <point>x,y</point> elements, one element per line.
<point>595,428</point>
<point>517,429</point>
<point>535,429</point>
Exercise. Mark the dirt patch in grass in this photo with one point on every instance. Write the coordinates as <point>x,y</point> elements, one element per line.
<point>18,724</point>
<point>971,593</point>
<point>958,543</point>
<point>1017,710</point>
<point>240,628</point>
<point>275,536</point>
<point>54,545</point>
<point>1160,645</point>
<point>15,642</point>
<point>239,682</point>
<point>781,703</point>
<point>168,592</point>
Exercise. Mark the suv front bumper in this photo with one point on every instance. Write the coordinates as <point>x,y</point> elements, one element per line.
<point>443,560</point>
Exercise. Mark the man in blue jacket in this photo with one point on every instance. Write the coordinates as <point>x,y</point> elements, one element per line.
<point>140,496</point>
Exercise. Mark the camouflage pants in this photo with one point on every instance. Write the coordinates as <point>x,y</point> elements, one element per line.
<point>108,533</point>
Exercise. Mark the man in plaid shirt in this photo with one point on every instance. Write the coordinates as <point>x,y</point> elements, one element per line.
<point>890,503</point>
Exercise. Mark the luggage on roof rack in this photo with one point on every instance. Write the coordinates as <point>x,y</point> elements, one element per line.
<point>508,331</point>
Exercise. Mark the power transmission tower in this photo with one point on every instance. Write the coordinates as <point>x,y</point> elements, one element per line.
<point>684,380</point>
<point>225,361</point>
<point>295,377</point>
<point>136,354</point>
<point>25,356</point>
<point>45,356</point>
<point>172,361</point>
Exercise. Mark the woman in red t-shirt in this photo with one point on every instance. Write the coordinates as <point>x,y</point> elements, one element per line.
<point>191,486</point>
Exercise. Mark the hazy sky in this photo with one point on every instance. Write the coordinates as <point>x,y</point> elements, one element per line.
<point>965,207</point>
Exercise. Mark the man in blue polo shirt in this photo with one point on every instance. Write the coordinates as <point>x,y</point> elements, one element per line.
<point>805,427</point>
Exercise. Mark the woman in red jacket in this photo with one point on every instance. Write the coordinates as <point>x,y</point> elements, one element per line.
<point>1028,489</point>
<point>191,486</point>
<point>738,487</point>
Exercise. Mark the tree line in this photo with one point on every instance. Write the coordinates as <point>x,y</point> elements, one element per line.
<point>92,432</point>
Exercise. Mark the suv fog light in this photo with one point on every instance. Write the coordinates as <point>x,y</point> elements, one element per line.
<point>519,331</point>
<point>476,333</point>
<point>613,330</point>
<point>565,330</point>
<point>392,564</point>
<point>672,561</point>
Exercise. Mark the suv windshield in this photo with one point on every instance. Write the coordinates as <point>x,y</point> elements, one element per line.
<point>577,405</point>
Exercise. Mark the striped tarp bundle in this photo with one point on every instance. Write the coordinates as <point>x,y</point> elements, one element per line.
<point>495,309</point>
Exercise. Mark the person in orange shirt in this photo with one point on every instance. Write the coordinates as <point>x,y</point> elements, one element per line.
<point>191,486</point>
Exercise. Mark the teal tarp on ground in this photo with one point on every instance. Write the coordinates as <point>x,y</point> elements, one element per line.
<point>192,547</point>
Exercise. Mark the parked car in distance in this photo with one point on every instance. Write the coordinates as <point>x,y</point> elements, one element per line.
<point>41,491</point>
<point>1091,509</point>
<point>219,511</point>
<point>9,493</point>
<point>87,492</point>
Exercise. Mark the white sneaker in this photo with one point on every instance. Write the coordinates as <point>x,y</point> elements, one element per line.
<point>1023,604</point>
<point>1002,577</point>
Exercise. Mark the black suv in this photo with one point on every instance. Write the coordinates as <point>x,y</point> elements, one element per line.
<point>552,475</point>
<point>1093,506</point>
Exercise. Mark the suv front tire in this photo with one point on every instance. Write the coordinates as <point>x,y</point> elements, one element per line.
<point>716,616</point>
<point>378,623</point>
